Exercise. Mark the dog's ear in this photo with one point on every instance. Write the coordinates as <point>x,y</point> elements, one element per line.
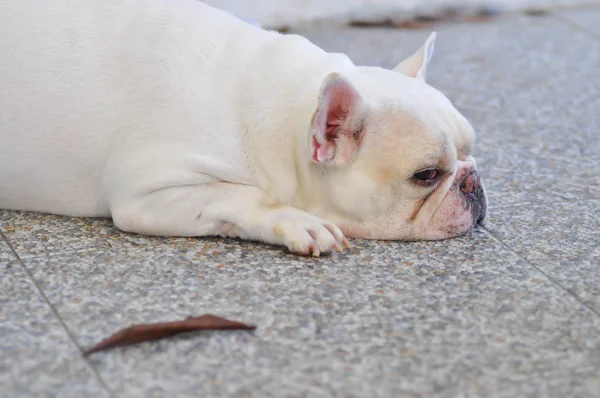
<point>338,122</point>
<point>416,64</point>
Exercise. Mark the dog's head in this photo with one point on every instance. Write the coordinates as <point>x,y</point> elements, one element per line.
<point>396,154</point>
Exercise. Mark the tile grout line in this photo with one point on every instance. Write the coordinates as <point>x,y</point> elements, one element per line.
<point>550,278</point>
<point>56,314</point>
<point>574,25</point>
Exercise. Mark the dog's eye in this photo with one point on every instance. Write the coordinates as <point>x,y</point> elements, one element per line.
<point>426,177</point>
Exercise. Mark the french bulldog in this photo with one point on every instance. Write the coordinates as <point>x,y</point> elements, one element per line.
<point>175,118</point>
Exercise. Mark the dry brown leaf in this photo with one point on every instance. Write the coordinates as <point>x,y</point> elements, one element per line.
<point>155,331</point>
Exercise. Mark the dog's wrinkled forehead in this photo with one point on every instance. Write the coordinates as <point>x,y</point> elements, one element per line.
<point>408,109</point>
<point>401,143</point>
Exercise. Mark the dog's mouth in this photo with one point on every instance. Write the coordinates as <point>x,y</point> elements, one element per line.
<point>476,203</point>
<point>479,212</point>
<point>482,213</point>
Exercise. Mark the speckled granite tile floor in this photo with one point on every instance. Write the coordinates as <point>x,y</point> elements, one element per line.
<point>510,310</point>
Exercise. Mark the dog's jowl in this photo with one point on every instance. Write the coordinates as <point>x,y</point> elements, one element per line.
<point>178,119</point>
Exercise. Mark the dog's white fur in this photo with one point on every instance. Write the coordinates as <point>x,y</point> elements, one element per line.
<point>177,119</point>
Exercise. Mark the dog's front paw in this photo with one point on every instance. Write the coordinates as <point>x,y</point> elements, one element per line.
<point>308,235</point>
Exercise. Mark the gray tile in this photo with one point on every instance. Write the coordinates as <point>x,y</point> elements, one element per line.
<point>556,122</point>
<point>559,117</point>
<point>563,239</point>
<point>5,252</point>
<point>586,19</point>
<point>37,358</point>
<point>521,54</point>
<point>385,319</point>
<point>538,144</point>
<point>35,234</point>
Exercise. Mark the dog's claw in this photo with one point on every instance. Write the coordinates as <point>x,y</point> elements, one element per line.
<point>338,248</point>
<point>315,250</point>
<point>346,243</point>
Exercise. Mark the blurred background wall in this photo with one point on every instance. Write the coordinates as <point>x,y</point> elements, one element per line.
<point>277,13</point>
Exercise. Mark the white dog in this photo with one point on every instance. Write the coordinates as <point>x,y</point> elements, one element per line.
<point>178,119</point>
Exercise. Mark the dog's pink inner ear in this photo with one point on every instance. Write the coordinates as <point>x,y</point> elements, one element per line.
<point>334,135</point>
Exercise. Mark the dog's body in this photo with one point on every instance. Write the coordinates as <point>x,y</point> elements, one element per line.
<point>177,119</point>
